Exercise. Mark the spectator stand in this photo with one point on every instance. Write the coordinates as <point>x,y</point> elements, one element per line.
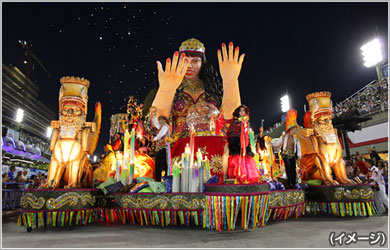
<point>369,100</point>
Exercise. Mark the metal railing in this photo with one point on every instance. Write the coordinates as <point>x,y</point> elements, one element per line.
<point>11,194</point>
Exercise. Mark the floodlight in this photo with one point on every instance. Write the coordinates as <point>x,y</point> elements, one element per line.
<point>285,103</point>
<point>372,53</point>
<point>19,115</point>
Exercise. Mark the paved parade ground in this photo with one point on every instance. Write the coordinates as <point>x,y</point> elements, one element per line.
<point>306,232</point>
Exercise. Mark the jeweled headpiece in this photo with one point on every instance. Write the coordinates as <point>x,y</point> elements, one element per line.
<point>74,91</point>
<point>193,45</point>
<point>320,104</point>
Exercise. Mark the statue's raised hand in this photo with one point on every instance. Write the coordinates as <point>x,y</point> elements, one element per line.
<point>174,71</point>
<point>229,62</point>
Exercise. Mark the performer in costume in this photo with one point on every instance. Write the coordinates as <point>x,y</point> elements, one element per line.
<point>190,79</point>
<point>241,165</point>
<point>374,156</point>
<point>291,149</point>
<point>103,168</point>
<point>266,155</point>
<point>161,145</point>
<point>118,143</point>
<point>376,179</point>
<point>134,112</point>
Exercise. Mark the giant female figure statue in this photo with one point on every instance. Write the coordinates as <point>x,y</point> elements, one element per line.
<point>189,79</point>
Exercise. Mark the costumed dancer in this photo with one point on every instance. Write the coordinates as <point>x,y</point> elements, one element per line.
<point>134,112</point>
<point>103,168</point>
<point>190,79</point>
<point>379,187</point>
<point>241,165</point>
<point>374,156</point>
<point>266,155</point>
<point>143,145</point>
<point>162,124</point>
<point>291,149</point>
<point>117,145</point>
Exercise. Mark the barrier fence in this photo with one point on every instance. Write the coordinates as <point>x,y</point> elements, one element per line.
<point>11,194</point>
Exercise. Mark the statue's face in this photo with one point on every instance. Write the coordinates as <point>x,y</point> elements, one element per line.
<point>195,63</point>
<point>70,113</point>
<point>324,120</point>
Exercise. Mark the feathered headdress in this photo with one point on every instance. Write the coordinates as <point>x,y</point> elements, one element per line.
<point>291,119</point>
<point>307,119</point>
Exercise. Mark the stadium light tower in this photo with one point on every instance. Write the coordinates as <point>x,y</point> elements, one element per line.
<point>19,115</point>
<point>48,132</point>
<point>285,103</point>
<point>372,55</point>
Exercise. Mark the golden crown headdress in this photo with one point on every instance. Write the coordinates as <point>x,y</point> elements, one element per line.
<point>320,104</point>
<point>192,44</point>
<point>325,94</point>
<point>74,91</point>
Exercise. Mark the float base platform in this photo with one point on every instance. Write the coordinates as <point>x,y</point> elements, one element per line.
<point>221,207</point>
<point>341,200</point>
<point>286,204</point>
<point>57,207</point>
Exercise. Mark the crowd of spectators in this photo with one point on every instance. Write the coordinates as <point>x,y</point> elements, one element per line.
<point>373,171</point>
<point>371,99</point>
<point>356,166</point>
<point>21,179</point>
<point>35,141</point>
<point>275,126</point>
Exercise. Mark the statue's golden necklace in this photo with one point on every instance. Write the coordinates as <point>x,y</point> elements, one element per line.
<point>192,86</point>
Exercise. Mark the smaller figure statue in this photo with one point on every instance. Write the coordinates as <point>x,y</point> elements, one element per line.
<point>73,137</point>
<point>241,165</point>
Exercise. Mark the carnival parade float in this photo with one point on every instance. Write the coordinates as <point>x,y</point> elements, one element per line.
<point>214,174</point>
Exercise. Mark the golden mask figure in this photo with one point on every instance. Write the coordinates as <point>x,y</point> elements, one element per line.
<point>321,149</point>
<point>73,137</point>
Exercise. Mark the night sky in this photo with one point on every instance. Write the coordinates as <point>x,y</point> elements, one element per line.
<point>294,48</point>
